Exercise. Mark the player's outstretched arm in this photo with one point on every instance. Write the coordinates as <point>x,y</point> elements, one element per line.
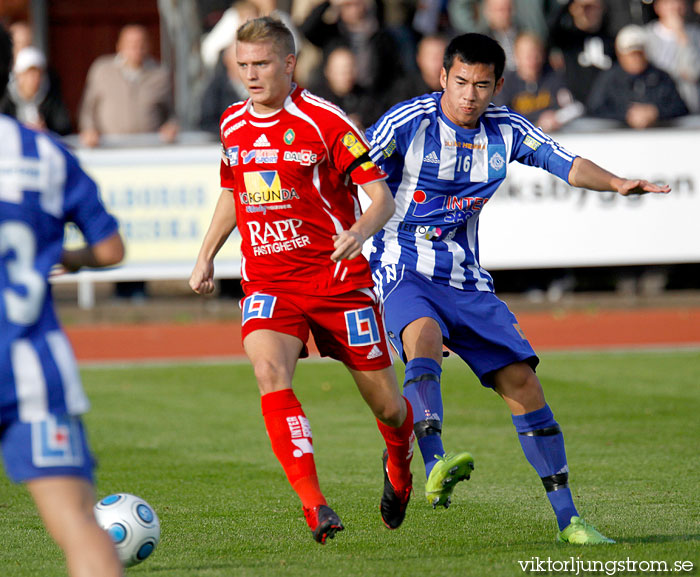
<point>348,244</point>
<point>587,174</point>
<point>107,252</point>
<point>222,224</point>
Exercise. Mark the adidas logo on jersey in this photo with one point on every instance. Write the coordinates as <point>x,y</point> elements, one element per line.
<point>432,158</point>
<point>374,353</point>
<point>262,141</point>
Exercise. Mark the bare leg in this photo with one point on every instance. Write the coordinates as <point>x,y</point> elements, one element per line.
<point>65,505</point>
<point>423,338</point>
<point>380,390</point>
<point>519,387</point>
<point>274,357</point>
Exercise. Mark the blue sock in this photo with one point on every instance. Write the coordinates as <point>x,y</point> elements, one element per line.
<point>422,389</point>
<point>543,445</point>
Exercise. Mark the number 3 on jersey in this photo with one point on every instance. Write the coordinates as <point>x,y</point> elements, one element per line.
<point>24,300</point>
<point>362,327</point>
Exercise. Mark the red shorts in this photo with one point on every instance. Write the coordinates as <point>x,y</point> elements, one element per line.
<point>347,327</point>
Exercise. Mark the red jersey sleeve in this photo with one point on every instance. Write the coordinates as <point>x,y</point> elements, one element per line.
<point>229,158</point>
<point>225,172</point>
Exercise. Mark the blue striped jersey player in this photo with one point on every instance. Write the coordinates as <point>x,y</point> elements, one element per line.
<point>443,176</point>
<point>42,188</point>
<point>43,442</point>
<point>446,154</point>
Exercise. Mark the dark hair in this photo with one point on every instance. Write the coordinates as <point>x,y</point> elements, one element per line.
<point>6,59</point>
<point>475,48</point>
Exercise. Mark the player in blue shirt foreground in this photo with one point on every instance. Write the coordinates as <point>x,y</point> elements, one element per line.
<point>43,441</point>
<point>446,153</point>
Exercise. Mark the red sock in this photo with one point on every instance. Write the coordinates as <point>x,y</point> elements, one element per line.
<point>399,444</point>
<point>290,437</point>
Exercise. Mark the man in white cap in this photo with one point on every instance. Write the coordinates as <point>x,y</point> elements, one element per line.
<point>634,91</point>
<point>29,98</point>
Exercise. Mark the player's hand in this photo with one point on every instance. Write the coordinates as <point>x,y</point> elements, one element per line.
<point>348,245</point>
<point>629,187</point>
<point>67,264</point>
<point>73,260</point>
<point>202,278</point>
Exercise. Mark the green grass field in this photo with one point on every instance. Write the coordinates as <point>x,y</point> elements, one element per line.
<point>191,441</point>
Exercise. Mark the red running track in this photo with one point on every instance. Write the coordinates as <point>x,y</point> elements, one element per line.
<point>603,329</point>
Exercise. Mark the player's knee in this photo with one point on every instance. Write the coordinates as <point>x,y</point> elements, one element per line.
<point>391,414</point>
<point>529,383</point>
<point>270,376</point>
<point>528,390</point>
<point>517,378</point>
<point>422,338</point>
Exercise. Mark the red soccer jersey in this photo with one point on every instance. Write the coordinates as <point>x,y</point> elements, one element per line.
<point>294,177</point>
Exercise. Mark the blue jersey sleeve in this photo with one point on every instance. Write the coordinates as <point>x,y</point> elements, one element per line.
<point>533,147</point>
<point>389,137</point>
<point>383,149</point>
<point>83,206</point>
<point>382,140</point>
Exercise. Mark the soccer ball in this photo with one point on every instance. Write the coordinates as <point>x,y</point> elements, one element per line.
<point>131,523</point>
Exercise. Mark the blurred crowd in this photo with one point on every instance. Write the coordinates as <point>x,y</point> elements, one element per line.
<point>631,63</point>
<point>571,65</point>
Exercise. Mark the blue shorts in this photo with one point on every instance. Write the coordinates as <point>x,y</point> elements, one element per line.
<point>476,325</point>
<point>54,447</point>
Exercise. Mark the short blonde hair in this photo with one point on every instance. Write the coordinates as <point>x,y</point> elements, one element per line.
<point>268,29</point>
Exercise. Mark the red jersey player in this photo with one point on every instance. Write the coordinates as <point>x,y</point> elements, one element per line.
<point>291,163</point>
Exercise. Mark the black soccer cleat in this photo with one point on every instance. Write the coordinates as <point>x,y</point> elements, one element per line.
<point>393,505</point>
<point>323,522</point>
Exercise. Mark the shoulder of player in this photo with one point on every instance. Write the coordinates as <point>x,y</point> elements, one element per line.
<point>502,115</point>
<point>232,115</point>
<point>50,152</point>
<point>318,108</point>
<point>55,144</point>
<point>407,116</point>
<point>523,130</point>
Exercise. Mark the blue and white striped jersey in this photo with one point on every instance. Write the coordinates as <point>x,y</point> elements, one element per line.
<point>442,176</point>
<point>41,188</point>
